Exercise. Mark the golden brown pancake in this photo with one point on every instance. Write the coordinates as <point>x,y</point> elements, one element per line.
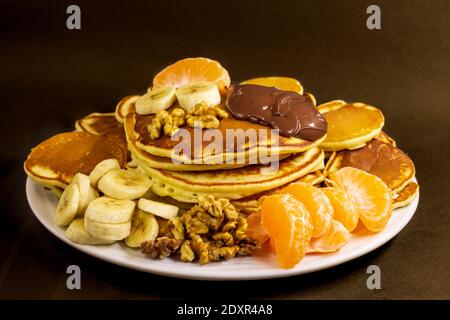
<point>98,123</point>
<point>104,124</point>
<point>137,132</point>
<point>383,136</point>
<point>406,195</point>
<point>56,160</point>
<point>234,183</point>
<point>350,125</point>
<point>387,162</point>
<point>125,106</point>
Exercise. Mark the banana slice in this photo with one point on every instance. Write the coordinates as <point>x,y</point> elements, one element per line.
<point>163,210</point>
<point>101,169</point>
<point>109,210</point>
<point>92,195</point>
<point>156,100</point>
<point>144,227</point>
<point>68,205</point>
<point>124,184</point>
<point>107,231</point>
<point>195,92</point>
<point>84,185</point>
<point>78,234</point>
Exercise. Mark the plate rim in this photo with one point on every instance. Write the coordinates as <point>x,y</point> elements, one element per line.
<point>281,273</point>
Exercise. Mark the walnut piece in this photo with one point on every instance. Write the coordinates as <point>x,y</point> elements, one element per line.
<point>205,117</point>
<point>160,247</point>
<point>200,248</point>
<point>186,252</point>
<point>223,252</point>
<point>176,228</point>
<point>167,123</point>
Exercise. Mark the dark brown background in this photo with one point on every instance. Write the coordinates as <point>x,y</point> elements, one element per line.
<point>51,76</point>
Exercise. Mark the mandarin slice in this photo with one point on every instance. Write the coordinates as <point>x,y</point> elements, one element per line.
<point>335,238</point>
<point>371,194</point>
<point>316,202</point>
<point>282,83</point>
<point>193,70</point>
<point>350,126</point>
<point>289,226</point>
<point>255,230</point>
<point>345,209</point>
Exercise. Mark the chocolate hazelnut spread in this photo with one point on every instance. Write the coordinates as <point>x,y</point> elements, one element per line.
<point>291,113</point>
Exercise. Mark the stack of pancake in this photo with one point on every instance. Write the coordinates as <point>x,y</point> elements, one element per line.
<point>194,175</point>
<point>124,135</point>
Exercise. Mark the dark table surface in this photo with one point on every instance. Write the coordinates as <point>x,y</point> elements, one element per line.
<point>51,76</point>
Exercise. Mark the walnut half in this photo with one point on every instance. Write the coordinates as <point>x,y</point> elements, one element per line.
<point>167,123</point>
<point>161,247</point>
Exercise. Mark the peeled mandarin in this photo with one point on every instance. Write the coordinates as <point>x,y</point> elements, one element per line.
<point>335,238</point>
<point>371,194</point>
<point>289,227</point>
<point>316,202</point>
<point>193,70</point>
<point>345,209</point>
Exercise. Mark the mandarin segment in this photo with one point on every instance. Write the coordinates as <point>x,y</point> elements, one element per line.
<point>334,239</point>
<point>289,226</point>
<point>255,229</point>
<point>345,209</point>
<point>316,202</point>
<point>193,70</point>
<point>371,194</point>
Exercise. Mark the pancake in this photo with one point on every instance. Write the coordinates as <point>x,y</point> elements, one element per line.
<point>55,161</point>
<point>234,183</point>
<point>137,134</point>
<point>98,123</point>
<point>350,125</point>
<point>125,106</point>
<point>252,203</point>
<point>383,136</point>
<point>406,195</point>
<point>104,124</point>
<point>387,162</point>
<point>167,163</point>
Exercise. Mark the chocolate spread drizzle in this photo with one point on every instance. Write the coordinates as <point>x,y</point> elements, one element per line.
<point>291,113</point>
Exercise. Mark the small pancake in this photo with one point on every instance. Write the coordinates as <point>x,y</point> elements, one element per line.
<point>383,136</point>
<point>350,125</point>
<point>125,106</point>
<point>103,124</point>
<point>137,133</point>
<point>55,161</point>
<point>98,123</point>
<point>406,195</point>
<point>234,183</point>
<point>387,162</point>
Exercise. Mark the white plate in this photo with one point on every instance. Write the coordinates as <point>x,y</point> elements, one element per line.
<point>43,203</point>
